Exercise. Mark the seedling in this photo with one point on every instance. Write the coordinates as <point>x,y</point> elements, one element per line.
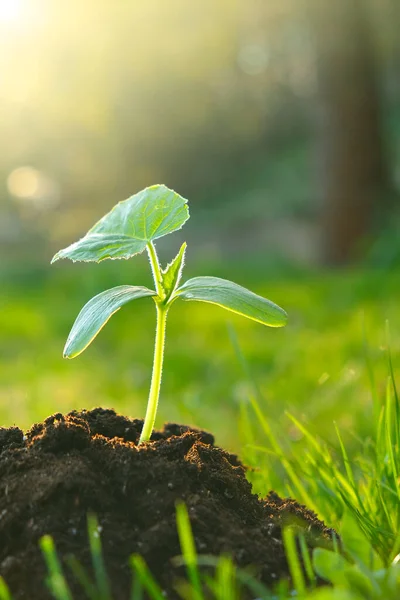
<point>129,228</point>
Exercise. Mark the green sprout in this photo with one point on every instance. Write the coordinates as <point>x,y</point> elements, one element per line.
<point>129,228</point>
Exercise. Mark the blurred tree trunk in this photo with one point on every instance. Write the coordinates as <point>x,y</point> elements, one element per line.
<point>353,174</point>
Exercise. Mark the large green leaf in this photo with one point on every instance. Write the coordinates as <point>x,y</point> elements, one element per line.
<point>95,314</point>
<point>233,297</point>
<point>130,226</point>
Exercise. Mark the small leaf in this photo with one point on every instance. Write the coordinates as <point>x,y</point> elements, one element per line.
<point>95,314</point>
<point>130,226</point>
<point>334,568</point>
<point>172,274</point>
<point>233,297</point>
<point>329,565</point>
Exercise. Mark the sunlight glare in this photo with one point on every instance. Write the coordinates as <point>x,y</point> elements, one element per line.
<point>10,10</point>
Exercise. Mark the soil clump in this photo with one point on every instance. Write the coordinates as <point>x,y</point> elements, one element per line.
<point>89,461</point>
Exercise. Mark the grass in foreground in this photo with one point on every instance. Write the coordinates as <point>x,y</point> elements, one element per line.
<point>358,493</point>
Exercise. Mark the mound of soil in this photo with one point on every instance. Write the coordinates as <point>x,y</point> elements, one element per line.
<point>85,461</point>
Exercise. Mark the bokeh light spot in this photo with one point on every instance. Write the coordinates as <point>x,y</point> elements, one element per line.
<point>24,182</point>
<point>32,187</point>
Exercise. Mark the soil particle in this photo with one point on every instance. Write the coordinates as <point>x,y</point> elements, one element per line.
<point>89,461</point>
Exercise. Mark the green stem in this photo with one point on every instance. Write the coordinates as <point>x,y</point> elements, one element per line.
<point>156,375</point>
<point>162,311</point>
<point>156,269</point>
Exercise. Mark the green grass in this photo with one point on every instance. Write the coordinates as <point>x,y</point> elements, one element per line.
<point>314,408</point>
<point>315,368</point>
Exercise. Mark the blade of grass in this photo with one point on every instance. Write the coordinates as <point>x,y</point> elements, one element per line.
<point>296,572</point>
<point>393,381</point>
<point>244,577</point>
<point>389,442</point>
<point>335,543</point>
<point>225,579</point>
<point>100,573</point>
<point>81,576</point>
<point>4,591</point>
<point>137,589</point>
<point>56,581</point>
<point>380,438</point>
<point>346,461</point>
<point>141,571</point>
<point>305,555</point>
<point>188,548</point>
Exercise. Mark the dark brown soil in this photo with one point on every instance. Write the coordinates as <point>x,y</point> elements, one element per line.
<point>89,461</point>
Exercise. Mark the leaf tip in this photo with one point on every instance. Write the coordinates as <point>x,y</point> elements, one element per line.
<point>67,351</point>
<point>282,320</point>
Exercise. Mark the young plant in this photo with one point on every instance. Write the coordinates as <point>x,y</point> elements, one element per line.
<point>129,228</point>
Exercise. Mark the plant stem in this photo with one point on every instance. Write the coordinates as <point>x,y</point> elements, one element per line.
<point>156,269</point>
<point>162,310</point>
<point>156,374</point>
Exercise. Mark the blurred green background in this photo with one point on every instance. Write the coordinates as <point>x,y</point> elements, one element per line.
<point>280,122</point>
